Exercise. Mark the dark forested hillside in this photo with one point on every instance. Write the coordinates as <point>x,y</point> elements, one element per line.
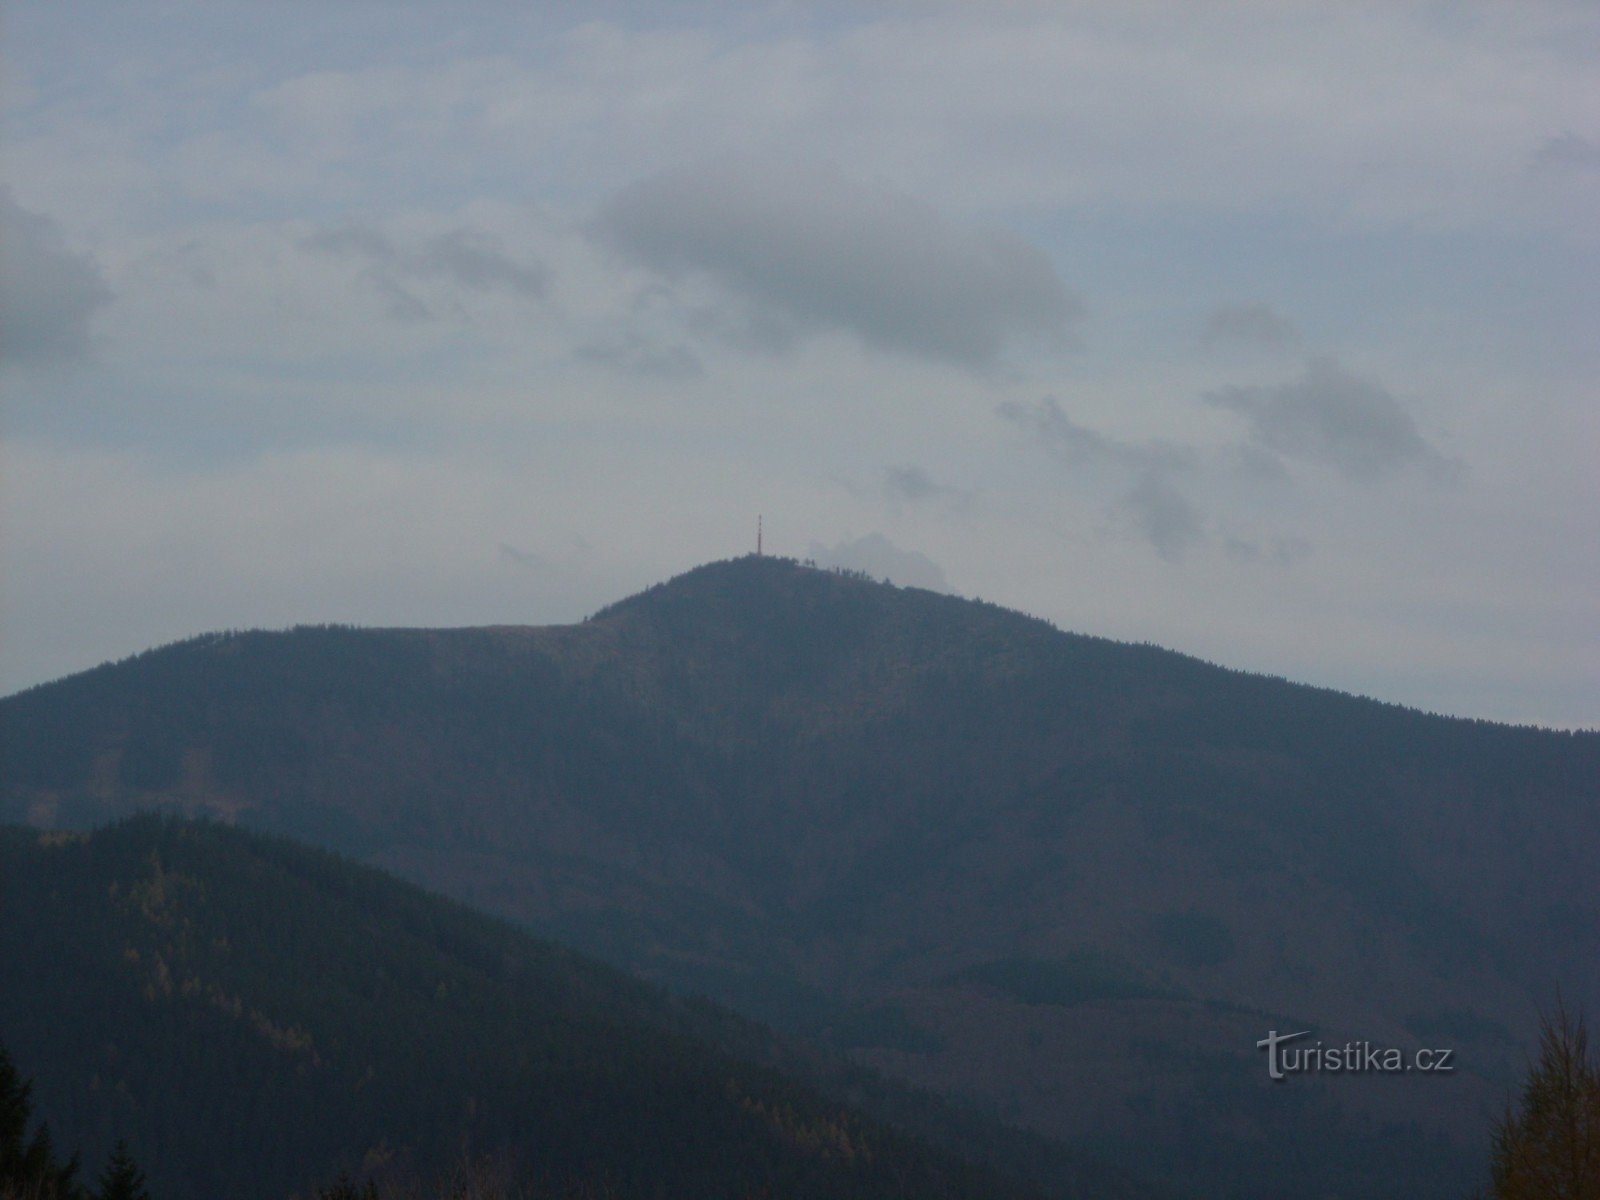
<point>254,1016</point>
<point>1072,879</point>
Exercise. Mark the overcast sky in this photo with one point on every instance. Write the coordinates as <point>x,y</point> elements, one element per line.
<point>1267,332</point>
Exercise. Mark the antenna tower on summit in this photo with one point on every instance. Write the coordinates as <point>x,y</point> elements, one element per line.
<point>758,536</point>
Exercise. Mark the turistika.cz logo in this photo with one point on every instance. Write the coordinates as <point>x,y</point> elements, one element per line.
<point>1351,1058</point>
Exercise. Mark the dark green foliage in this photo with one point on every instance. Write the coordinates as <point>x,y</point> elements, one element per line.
<point>122,1179</point>
<point>28,1165</point>
<point>15,1112</point>
<point>256,1014</point>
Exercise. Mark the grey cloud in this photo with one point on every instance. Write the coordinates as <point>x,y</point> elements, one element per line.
<point>47,292</point>
<point>460,257</point>
<point>402,303</point>
<point>475,261</point>
<point>1279,552</point>
<point>911,483</point>
<point>1065,437</point>
<point>192,259</point>
<point>814,248</point>
<point>1078,445</point>
<point>748,325</point>
<point>1163,515</point>
<point>1154,506</point>
<point>1250,324</point>
<point>1334,417</point>
<point>882,559</point>
<point>1256,464</point>
<point>1569,152</point>
<point>520,557</point>
<point>635,354</point>
<point>352,239</point>
<point>914,484</point>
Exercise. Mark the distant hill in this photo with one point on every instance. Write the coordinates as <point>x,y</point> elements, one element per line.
<point>1073,879</point>
<point>254,1016</point>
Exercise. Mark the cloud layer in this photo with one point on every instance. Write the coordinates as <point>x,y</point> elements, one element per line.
<point>1152,503</point>
<point>814,250</point>
<point>1250,324</point>
<point>881,559</point>
<point>1333,417</point>
<point>47,292</point>
<point>461,258</point>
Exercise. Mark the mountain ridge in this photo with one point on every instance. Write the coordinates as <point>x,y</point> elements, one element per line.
<point>710,570</point>
<point>888,818</point>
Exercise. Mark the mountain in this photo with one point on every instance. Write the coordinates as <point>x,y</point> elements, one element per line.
<point>256,1016</point>
<point>1073,880</point>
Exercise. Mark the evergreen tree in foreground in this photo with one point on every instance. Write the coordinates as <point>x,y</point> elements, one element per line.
<point>122,1178</point>
<point>28,1166</point>
<point>1550,1148</point>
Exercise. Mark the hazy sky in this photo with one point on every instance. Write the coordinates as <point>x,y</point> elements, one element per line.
<point>1268,332</point>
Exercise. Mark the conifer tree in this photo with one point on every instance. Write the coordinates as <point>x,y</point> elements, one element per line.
<point>27,1166</point>
<point>1549,1149</point>
<point>122,1178</point>
<point>14,1111</point>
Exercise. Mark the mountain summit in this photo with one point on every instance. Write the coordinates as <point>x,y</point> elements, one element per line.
<point>1074,879</point>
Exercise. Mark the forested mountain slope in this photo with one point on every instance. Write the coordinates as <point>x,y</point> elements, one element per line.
<point>1072,878</point>
<point>254,1016</point>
